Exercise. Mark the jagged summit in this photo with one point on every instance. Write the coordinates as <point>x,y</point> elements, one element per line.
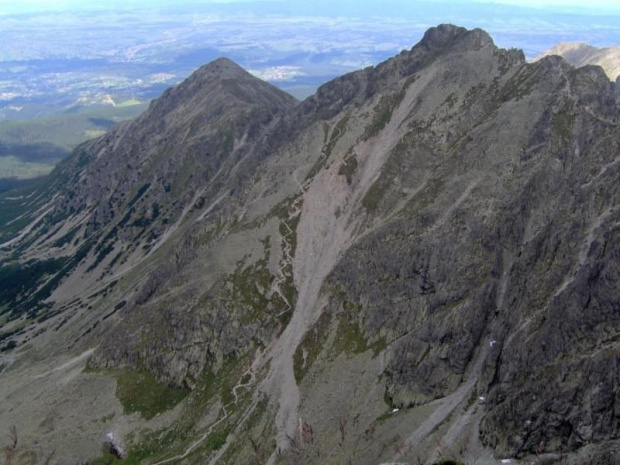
<point>447,35</point>
<point>472,51</point>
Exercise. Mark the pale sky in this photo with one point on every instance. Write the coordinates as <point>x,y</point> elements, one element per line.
<point>606,4</point>
<point>16,6</point>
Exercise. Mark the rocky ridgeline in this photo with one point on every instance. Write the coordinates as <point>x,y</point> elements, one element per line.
<point>439,233</point>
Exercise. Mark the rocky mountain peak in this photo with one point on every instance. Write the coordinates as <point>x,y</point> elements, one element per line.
<point>224,67</point>
<point>471,50</point>
<point>439,36</point>
<point>222,83</point>
<point>446,36</point>
<point>135,185</point>
<point>217,72</point>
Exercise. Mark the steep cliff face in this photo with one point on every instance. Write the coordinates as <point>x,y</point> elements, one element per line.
<point>419,262</point>
<point>493,270</point>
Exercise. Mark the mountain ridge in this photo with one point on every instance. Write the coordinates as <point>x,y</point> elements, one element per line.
<point>403,237</point>
<point>579,54</point>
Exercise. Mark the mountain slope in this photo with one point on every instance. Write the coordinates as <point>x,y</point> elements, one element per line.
<point>579,54</point>
<point>118,198</point>
<point>417,263</point>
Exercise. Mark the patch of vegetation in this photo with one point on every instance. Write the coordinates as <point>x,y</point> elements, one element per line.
<point>382,116</point>
<point>228,143</point>
<point>67,238</point>
<point>451,100</point>
<point>8,334</point>
<point>257,414</point>
<point>430,193</point>
<point>108,458</point>
<point>288,286</point>
<point>250,284</point>
<point>325,133</point>
<point>115,260</point>
<point>141,191</point>
<point>134,457</point>
<point>176,437</point>
<point>83,160</point>
<point>310,347</point>
<point>391,169</point>
<point>217,438</point>
<point>8,347</point>
<point>384,109</point>
<point>339,130</point>
<point>328,148</point>
<point>103,253</point>
<point>288,233</point>
<point>280,210</point>
<point>140,392</point>
<point>564,119</point>
<point>521,84</point>
<point>348,168</point>
<point>390,403</point>
<point>349,337</point>
<point>143,221</point>
<point>104,292</point>
<point>389,400</point>
<point>18,279</point>
<point>121,224</point>
<point>373,196</point>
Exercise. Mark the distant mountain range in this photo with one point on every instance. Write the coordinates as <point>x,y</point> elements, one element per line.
<point>419,263</point>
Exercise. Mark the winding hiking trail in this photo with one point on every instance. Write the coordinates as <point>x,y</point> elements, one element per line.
<point>285,262</point>
<point>202,438</point>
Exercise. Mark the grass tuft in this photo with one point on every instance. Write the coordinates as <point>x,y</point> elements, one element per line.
<point>140,392</point>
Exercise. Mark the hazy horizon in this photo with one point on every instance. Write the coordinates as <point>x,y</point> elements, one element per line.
<point>34,6</point>
<point>62,55</point>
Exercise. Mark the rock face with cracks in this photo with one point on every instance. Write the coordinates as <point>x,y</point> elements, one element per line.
<point>420,262</point>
